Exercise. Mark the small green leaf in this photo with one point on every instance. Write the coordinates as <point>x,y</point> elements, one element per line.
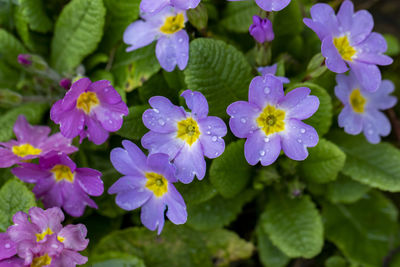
<point>14,196</point>
<point>324,163</point>
<point>237,17</point>
<point>10,48</point>
<point>293,225</point>
<point>219,71</point>
<point>133,127</point>
<point>345,190</point>
<point>230,172</point>
<point>270,256</point>
<point>364,231</point>
<point>78,30</point>
<point>35,13</point>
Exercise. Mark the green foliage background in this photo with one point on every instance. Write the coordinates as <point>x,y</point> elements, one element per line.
<point>337,208</point>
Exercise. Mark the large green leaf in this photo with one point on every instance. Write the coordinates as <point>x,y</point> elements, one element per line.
<point>219,71</point>
<point>116,259</point>
<point>33,113</point>
<point>216,212</point>
<point>176,246</point>
<point>230,172</point>
<point>14,196</point>
<point>270,256</point>
<point>293,225</point>
<point>237,16</point>
<point>77,32</point>
<point>197,191</point>
<point>10,48</point>
<point>289,21</point>
<point>157,86</point>
<point>363,231</point>
<point>133,127</point>
<point>37,18</point>
<point>324,163</point>
<point>345,190</point>
<point>374,165</point>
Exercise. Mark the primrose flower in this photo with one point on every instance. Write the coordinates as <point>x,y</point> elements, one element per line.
<point>272,70</point>
<point>270,5</point>
<point>41,240</point>
<point>347,41</point>
<point>361,112</point>
<point>32,142</point>
<point>167,27</point>
<point>271,121</point>
<point>89,110</point>
<point>148,183</point>
<point>261,30</point>
<point>7,247</point>
<point>156,5</point>
<point>60,184</point>
<point>185,136</point>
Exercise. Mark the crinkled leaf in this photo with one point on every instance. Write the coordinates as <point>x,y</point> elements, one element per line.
<point>219,71</point>
<point>345,190</point>
<point>157,86</point>
<point>229,173</point>
<point>10,48</point>
<point>324,163</point>
<point>364,231</point>
<point>78,30</point>
<point>35,13</point>
<point>269,255</point>
<point>293,225</point>
<point>14,196</point>
<point>237,16</point>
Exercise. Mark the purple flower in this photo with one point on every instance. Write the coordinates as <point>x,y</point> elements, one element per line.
<point>65,83</point>
<point>7,247</point>
<point>272,70</point>
<point>185,136</point>
<point>148,183</point>
<point>361,112</point>
<point>89,110</point>
<point>25,60</point>
<point>271,121</point>
<point>32,142</point>
<point>347,41</point>
<point>167,27</point>
<point>156,5</point>
<point>270,5</point>
<point>60,184</point>
<point>261,30</point>
<point>41,240</point>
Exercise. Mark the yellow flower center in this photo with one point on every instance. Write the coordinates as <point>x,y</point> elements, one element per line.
<point>62,172</point>
<point>173,24</point>
<point>41,261</point>
<point>357,101</point>
<point>156,183</point>
<point>344,48</point>
<point>271,120</point>
<point>87,101</point>
<point>188,130</point>
<point>41,236</point>
<point>25,150</point>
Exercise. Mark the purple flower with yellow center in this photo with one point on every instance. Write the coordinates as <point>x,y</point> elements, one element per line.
<point>151,6</point>
<point>147,183</point>
<point>261,30</point>
<point>270,5</point>
<point>167,27</point>
<point>32,142</point>
<point>348,41</point>
<point>59,183</point>
<point>272,70</point>
<point>362,109</point>
<point>185,136</point>
<point>272,121</point>
<point>89,110</point>
<point>41,240</point>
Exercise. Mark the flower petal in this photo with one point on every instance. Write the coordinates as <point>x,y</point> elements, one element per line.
<point>243,118</point>
<point>324,22</point>
<point>265,90</point>
<point>74,237</point>
<point>299,104</point>
<point>371,49</point>
<point>30,173</point>
<point>185,4</point>
<point>159,163</point>
<point>368,75</point>
<point>152,214</point>
<point>136,154</point>
<point>259,147</point>
<point>190,162</point>
<point>197,103</point>
<point>381,99</point>
<point>173,50</point>
<point>50,218</point>
<point>28,133</point>
<point>376,124</point>
<point>152,5</point>
<point>163,143</point>
<point>176,212</point>
<point>7,248</point>
<point>139,34</point>
<point>127,183</point>
<point>90,181</point>
<point>123,163</point>
<point>212,130</point>
<point>95,131</point>
<point>333,59</point>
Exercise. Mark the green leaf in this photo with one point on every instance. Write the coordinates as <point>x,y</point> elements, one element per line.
<point>293,225</point>
<point>288,21</point>
<point>77,32</point>
<point>32,112</point>
<point>197,191</point>
<point>374,165</point>
<point>37,18</point>
<point>230,172</point>
<point>134,68</point>
<point>322,119</point>
<point>336,261</point>
<point>363,231</point>
<point>157,86</point>
<point>393,45</point>
<point>237,17</point>
<point>270,256</point>
<point>216,212</point>
<point>10,48</point>
<point>345,190</point>
<point>14,196</point>
<point>116,259</point>
<point>176,246</point>
<point>133,127</point>
<point>324,163</point>
<point>226,246</point>
<point>219,71</point>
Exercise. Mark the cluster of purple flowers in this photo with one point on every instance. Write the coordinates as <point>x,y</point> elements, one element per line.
<point>39,239</point>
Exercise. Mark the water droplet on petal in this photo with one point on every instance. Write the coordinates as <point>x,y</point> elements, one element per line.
<point>180,40</point>
<point>214,138</point>
<point>161,122</point>
<point>262,153</point>
<point>302,130</point>
<point>267,90</point>
<point>370,132</point>
<point>299,140</point>
<point>243,120</point>
<point>7,245</point>
<point>110,121</point>
<point>156,110</point>
<point>208,132</point>
<point>216,153</point>
<point>209,127</point>
<point>266,139</point>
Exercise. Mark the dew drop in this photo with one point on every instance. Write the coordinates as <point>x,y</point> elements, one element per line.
<point>302,130</point>
<point>216,153</point>
<point>161,122</point>
<point>262,153</point>
<point>214,138</point>
<point>299,140</point>
<point>110,121</point>
<point>209,127</point>
<point>243,120</point>
<point>370,132</point>
<point>208,132</point>
<point>7,245</point>
<point>180,40</point>
<point>156,110</point>
<point>267,90</point>
<point>266,139</point>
